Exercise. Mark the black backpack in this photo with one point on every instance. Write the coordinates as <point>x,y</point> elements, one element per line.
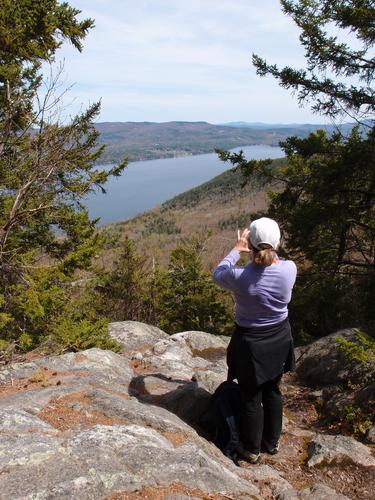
<point>225,403</point>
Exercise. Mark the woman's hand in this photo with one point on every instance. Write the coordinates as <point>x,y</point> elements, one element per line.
<point>242,244</point>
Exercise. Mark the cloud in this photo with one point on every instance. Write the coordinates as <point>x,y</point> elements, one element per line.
<point>162,59</point>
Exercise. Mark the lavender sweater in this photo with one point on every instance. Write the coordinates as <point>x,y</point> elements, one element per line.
<point>262,293</point>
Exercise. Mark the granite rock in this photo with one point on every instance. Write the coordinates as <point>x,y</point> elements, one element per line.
<point>324,449</point>
<point>135,336</point>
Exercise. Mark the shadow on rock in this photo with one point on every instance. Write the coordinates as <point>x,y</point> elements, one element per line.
<point>184,398</point>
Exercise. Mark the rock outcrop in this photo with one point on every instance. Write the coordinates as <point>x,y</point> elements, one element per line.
<point>327,449</point>
<point>72,429</point>
<point>323,363</point>
<point>345,383</point>
<point>96,424</point>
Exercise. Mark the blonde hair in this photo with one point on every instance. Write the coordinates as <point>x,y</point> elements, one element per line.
<point>264,256</point>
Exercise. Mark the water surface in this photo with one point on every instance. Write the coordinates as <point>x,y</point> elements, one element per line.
<point>146,184</point>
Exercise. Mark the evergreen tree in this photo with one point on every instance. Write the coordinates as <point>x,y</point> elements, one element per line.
<point>183,297</point>
<point>325,196</point>
<point>46,168</point>
<point>120,292</point>
<point>340,68</point>
<point>190,300</point>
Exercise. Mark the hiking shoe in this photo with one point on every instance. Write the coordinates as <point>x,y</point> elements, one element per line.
<point>269,448</point>
<point>252,458</point>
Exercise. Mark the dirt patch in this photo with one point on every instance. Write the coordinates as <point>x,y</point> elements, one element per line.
<point>13,357</point>
<point>41,378</point>
<point>176,438</point>
<point>141,367</point>
<point>349,479</point>
<point>212,354</point>
<point>72,411</point>
<point>299,405</point>
<point>161,492</point>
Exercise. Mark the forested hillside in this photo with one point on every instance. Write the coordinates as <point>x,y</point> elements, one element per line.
<point>146,141</point>
<point>212,211</point>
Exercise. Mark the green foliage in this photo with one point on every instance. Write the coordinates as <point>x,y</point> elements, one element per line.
<point>327,210</point>
<point>30,33</point>
<point>3,345</point>
<point>74,335</point>
<point>222,186</point>
<point>25,341</point>
<point>321,304</point>
<point>5,317</point>
<point>361,353</point>
<point>191,301</point>
<point>325,206</point>
<point>358,421</point>
<point>363,350</point>
<point>161,225</point>
<point>47,311</point>
<point>236,221</point>
<point>334,62</point>
<point>325,196</point>
<point>181,298</point>
<point>46,169</point>
<point>120,293</point>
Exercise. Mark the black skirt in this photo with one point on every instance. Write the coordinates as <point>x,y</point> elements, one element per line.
<point>259,354</point>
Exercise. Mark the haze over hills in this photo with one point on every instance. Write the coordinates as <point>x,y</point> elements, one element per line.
<point>148,140</point>
<point>262,125</point>
<point>290,126</point>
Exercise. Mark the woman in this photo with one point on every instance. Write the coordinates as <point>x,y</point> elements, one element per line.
<point>261,347</point>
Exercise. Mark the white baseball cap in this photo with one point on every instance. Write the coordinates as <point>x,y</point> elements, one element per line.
<point>264,231</point>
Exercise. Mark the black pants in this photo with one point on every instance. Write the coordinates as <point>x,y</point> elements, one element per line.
<point>261,414</point>
<point>257,357</point>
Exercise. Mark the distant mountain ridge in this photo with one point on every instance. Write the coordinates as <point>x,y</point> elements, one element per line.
<point>298,129</point>
<point>263,125</point>
<point>150,140</point>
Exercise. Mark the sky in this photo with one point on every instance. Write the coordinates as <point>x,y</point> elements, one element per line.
<point>165,60</point>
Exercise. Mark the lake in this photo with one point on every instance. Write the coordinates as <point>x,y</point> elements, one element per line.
<point>146,184</point>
